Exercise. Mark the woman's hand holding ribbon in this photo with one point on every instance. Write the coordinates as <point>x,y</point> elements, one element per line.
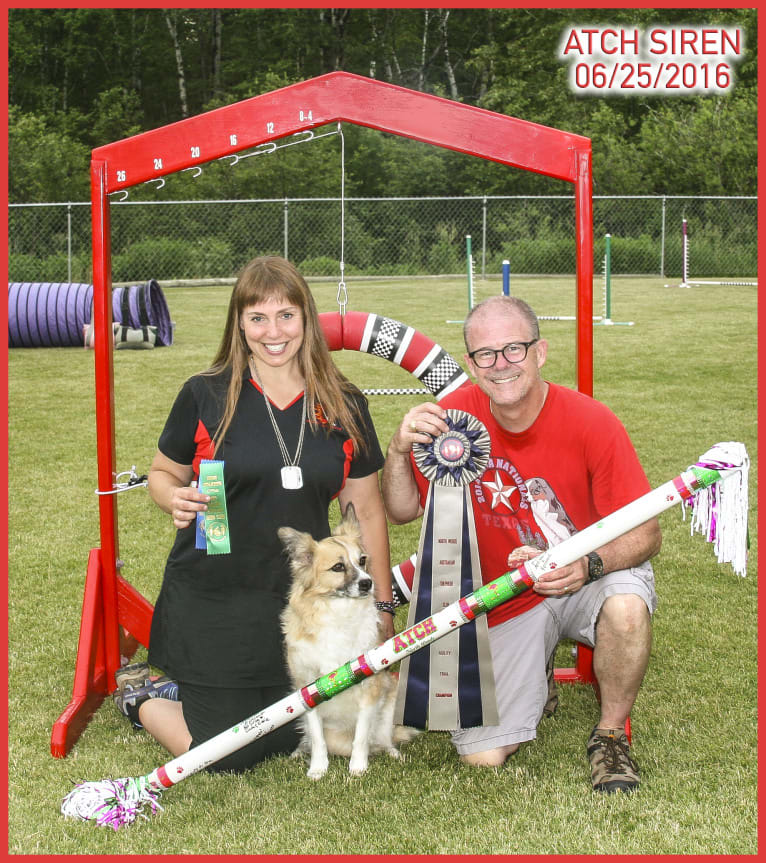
<point>185,503</point>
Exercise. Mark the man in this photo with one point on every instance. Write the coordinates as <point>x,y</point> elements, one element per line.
<point>559,460</point>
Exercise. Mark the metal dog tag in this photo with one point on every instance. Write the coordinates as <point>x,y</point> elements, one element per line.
<point>292,477</point>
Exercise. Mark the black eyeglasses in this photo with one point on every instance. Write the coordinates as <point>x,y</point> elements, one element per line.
<point>515,352</point>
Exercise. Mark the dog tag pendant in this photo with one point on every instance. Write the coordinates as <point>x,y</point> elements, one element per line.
<point>292,477</point>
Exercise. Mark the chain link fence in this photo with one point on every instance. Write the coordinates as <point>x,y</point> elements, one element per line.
<point>196,240</point>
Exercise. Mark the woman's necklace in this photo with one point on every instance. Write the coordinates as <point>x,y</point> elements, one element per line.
<point>292,475</point>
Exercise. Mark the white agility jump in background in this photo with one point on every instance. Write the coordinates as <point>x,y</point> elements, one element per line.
<point>686,282</point>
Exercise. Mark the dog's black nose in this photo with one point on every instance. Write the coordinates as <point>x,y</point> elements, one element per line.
<point>365,585</point>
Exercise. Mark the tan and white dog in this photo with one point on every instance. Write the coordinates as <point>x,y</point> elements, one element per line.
<point>329,620</point>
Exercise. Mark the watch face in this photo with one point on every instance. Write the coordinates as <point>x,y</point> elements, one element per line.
<point>595,565</point>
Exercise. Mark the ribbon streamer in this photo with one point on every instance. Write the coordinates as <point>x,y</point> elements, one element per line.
<point>452,686</point>
<point>121,802</point>
<point>719,512</point>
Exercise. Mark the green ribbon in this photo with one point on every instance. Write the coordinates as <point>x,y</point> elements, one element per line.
<point>216,519</point>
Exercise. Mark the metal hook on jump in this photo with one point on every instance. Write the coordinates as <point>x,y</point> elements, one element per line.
<point>268,147</point>
<point>342,297</point>
<point>309,132</point>
<point>159,180</point>
<point>123,192</point>
<point>196,168</point>
<point>133,481</point>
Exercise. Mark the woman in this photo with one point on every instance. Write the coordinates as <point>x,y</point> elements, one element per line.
<point>293,434</point>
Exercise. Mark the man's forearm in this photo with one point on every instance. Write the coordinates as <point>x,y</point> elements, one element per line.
<point>632,548</point>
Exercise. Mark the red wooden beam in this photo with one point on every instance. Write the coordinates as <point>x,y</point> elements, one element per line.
<point>340,97</point>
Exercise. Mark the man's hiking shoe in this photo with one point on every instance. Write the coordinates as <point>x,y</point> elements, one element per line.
<point>553,694</point>
<point>611,767</point>
<point>128,699</point>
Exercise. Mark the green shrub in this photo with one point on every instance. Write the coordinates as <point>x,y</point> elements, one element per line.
<point>632,255</point>
<point>543,255</point>
<point>53,268</point>
<point>323,265</point>
<point>214,258</point>
<point>153,259</point>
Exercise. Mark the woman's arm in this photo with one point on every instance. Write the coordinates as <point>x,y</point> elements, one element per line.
<point>364,493</point>
<point>169,488</point>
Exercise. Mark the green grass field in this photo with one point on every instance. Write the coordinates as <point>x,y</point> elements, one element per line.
<point>681,379</point>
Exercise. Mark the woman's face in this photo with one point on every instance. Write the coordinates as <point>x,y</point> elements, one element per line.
<point>273,331</point>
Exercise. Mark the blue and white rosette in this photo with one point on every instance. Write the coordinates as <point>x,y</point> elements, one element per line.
<point>450,685</point>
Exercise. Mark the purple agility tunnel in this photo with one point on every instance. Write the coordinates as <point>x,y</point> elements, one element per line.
<point>53,314</point>
<point>143,306</point>
<point>47,314</point>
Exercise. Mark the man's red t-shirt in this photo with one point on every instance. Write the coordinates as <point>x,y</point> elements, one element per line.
<point>573,465</point>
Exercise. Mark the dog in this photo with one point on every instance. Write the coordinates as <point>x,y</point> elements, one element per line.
<point>331,618</point>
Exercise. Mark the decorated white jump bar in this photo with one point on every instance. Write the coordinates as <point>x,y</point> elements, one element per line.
<point>722,516</point>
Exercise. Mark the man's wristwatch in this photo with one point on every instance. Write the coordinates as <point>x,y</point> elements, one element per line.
<point>595,567</point>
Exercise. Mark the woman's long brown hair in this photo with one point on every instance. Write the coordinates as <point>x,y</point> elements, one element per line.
<point>326,387</point>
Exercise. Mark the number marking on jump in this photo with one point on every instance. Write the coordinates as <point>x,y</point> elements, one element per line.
<point>306,115</point>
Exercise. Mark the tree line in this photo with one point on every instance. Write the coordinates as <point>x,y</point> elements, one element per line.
<point>81,78</point>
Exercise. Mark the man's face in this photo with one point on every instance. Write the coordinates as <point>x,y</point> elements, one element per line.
<point>506,383</point>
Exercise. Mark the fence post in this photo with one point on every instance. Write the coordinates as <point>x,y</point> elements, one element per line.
<point>286,220</point>
<point>484,238</point>
<point>69,241</point>
<point>662,239</point>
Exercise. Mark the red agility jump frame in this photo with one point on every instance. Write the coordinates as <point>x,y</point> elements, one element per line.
<point>115,616</point>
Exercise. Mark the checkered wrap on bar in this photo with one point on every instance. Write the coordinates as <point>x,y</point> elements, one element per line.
<point>395,392</point>
<point>386,337</point>
<point>442,370</point>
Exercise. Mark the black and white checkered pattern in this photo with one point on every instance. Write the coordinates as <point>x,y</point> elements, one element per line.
<point>390,391</point>
<point>390,339</point>
<point>386,338</point>
<point>440,373</point>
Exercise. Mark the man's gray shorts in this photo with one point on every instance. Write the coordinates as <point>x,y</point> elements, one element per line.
<point>521,647</point>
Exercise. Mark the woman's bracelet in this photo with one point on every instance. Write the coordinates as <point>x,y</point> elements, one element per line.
<point>386,606</point>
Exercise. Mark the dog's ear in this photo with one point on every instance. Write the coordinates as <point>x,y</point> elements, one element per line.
<point>299,546</point>
<point>349,523</point>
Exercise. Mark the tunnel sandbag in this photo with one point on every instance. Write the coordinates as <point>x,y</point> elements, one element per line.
<point>141,306</point>
<point>123,337</point>
<point>47,314</point>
